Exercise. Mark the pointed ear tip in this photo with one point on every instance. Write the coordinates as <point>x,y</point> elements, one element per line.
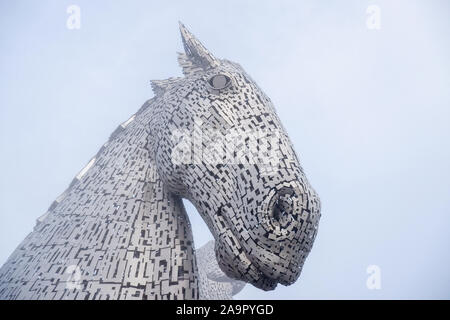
<point>182,26</point>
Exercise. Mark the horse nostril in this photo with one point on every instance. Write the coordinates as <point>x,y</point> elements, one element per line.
<point>283,206</point>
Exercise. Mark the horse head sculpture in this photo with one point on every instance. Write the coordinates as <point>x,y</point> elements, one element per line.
<point>222,146</point>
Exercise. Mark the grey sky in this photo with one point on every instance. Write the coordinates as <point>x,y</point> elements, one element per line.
<point>367,110</point>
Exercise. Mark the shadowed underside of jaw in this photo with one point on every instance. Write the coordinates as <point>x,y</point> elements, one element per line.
<point>243,266</point>
<point>247,271</point>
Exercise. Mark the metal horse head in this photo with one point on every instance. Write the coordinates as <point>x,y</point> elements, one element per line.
<point>219,143</point>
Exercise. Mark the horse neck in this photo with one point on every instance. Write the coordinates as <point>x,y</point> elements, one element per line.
<point>126,234</point>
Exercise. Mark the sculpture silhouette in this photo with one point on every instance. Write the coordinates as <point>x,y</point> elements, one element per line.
<point>120,231</point>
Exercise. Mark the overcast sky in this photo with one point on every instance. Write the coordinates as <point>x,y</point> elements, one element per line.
<point>368,111</point>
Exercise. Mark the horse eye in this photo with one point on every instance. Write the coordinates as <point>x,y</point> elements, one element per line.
<point>219,82</point>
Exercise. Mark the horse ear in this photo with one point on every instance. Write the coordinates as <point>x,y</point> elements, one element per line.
<point>188,66</point>
<point>196,57</point>
<point>160,86</point>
